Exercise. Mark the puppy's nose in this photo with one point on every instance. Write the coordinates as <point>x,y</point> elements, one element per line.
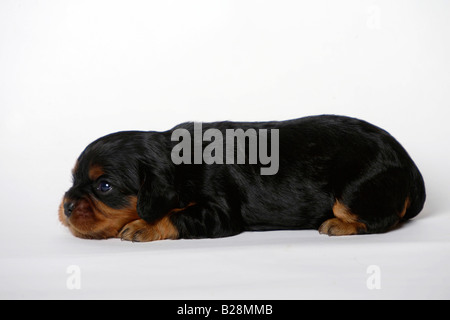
<point>68,208</point>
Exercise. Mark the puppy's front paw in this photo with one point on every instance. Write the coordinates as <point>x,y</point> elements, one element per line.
<point>136,231</point>
<point>141,231</point>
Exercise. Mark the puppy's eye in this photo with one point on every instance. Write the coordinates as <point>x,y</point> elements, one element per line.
<point>104,186</point>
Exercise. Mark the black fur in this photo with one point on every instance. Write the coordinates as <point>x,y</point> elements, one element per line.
<point>322,159</point>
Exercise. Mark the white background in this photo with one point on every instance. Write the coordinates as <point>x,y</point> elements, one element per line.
<point>72,71</point>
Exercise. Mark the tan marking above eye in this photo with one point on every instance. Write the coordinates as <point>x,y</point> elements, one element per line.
<point>95,171</point>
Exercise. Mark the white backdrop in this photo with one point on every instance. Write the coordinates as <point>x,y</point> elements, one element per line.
<point>71,71</point>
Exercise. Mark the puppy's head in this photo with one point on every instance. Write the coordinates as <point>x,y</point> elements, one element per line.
<point>109,186</point>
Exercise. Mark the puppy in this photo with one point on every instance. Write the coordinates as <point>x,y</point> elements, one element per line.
<point>340,175</point>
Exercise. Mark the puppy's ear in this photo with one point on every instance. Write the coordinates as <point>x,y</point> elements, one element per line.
<point>156,197</point>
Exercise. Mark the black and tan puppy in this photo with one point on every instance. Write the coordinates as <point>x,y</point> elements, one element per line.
<point>339,175</point>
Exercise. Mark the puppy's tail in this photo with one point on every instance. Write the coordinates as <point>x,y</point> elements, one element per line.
<point>417,195</point>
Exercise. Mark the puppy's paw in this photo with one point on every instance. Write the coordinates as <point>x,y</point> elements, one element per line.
<point>141,231</point>
<point>136,231</point>
<point>337,227</point>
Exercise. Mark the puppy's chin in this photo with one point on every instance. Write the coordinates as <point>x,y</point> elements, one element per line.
<point>92,219</point>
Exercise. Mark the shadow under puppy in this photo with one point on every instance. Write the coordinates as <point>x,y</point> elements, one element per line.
<point>340,175</point>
